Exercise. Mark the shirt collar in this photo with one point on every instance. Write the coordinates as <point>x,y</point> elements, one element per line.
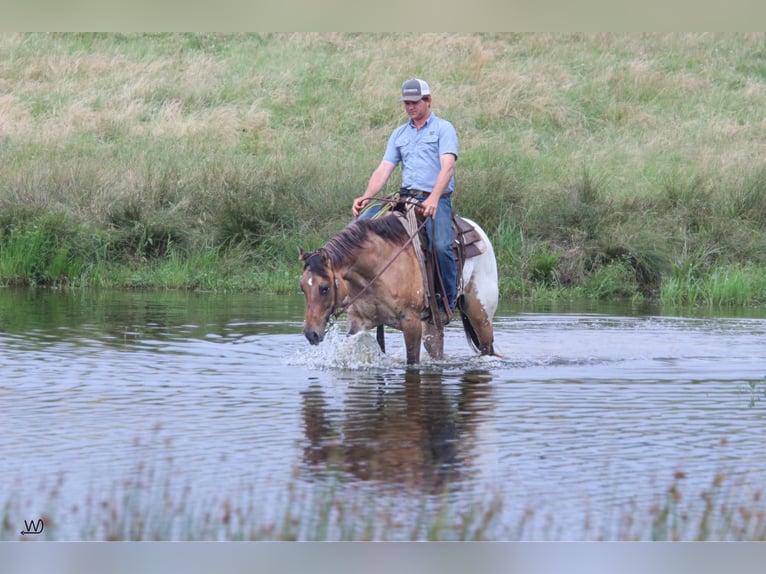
<point>426,123</point>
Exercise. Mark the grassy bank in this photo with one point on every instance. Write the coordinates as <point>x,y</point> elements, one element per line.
<point>601,165</point>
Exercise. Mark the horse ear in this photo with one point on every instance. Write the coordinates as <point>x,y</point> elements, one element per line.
<point>303,254</point>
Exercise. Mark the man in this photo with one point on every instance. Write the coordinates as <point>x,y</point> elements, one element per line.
<point>427,147</point>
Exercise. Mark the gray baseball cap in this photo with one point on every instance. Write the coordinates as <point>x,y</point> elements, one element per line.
<point>413,90</point>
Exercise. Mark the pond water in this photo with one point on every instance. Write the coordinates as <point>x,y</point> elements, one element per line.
<point>217,400</point>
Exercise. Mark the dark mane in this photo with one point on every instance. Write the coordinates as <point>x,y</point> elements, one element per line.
<point>346,243</point>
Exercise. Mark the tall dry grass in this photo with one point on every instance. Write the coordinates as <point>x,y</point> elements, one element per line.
<point>599,149</point>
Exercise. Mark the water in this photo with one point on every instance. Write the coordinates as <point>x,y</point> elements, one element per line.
<point>589,410</point>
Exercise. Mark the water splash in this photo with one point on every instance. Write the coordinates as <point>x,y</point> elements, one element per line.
<point>361,352</point>
<point>338,350</point>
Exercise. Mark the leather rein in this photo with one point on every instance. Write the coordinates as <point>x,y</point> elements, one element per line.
<point>340,308</point>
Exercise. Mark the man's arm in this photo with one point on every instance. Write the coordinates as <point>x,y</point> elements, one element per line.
<point>447,162</point>
<point>376,182</point>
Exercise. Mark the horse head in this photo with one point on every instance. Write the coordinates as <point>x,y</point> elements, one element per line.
<point>322,290</point>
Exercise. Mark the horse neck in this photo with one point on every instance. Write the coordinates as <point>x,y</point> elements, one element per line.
<point>361,267</point>
<point>357,270</point>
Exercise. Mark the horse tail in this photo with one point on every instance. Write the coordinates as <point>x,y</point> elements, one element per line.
<point>470,332</point>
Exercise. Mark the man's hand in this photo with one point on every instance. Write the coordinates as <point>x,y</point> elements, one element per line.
<point>358,205</point>
<point>429,206</point>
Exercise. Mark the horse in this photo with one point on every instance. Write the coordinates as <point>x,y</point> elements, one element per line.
<point>370,269</point>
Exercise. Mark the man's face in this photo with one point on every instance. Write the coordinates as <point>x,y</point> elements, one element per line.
<point>417,110</point>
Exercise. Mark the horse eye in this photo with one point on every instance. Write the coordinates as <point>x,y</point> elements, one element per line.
<point>324,290</point>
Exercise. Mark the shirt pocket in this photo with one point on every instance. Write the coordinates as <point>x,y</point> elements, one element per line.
<point>404,144</point>
<point>430,145</point>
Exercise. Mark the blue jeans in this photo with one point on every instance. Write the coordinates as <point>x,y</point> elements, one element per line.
<point>438,232</point>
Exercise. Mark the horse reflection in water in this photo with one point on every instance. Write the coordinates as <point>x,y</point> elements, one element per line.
<point>371,269</point>
<point>413,434</point>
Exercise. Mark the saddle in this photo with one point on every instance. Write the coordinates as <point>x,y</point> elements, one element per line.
<point>466,243</point>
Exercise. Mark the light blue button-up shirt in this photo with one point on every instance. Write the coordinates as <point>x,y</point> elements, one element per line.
<point>418,150</point>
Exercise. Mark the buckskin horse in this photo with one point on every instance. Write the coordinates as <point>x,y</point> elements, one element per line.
<point>371,269</point>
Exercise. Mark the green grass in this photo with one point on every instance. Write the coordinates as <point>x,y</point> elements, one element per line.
<point>715,285</point>
<point>596,162</point>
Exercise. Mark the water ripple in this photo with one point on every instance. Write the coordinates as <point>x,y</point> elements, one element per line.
<point>582,409</point>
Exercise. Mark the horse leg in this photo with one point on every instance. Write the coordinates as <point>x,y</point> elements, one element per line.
<point>413,336</point>
<point>357,324</point>
<point>381,337</point>
<point>433,340</point>
<point>477,324</point>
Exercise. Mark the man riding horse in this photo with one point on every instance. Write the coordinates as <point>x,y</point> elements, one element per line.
<point>427,148</point>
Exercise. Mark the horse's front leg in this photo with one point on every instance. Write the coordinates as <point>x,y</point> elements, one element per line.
<point>381,337</point>
<point>413,336</point>
<point>356,324</point>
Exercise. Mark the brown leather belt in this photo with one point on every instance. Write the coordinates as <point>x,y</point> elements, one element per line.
<point>416,193</point>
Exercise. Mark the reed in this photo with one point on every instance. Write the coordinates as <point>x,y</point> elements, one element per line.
<point>155,504</point>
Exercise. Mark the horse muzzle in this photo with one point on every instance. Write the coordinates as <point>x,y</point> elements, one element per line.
<point>313,336</point>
